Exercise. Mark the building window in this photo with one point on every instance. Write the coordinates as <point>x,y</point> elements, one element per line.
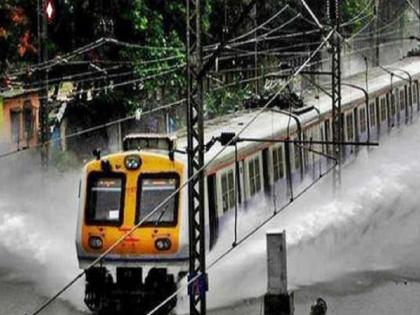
<point>254,176</point>
<point>15,116</point>
<point>278,166</point>
<point>402,100</point>
<point>228,190</point>
<point>372,115</point>
<point>413,89</point>
<point>28,119</point>
<point>362,115</point>
<point>383,110</point>
<point>349,123</point>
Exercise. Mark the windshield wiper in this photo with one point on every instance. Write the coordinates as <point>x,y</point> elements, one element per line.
<point>162,213</point>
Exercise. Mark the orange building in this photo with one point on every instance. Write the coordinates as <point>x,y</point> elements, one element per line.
<point>19,123</point>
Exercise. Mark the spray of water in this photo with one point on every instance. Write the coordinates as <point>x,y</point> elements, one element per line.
<point>371,226</point>
<point>38,213</point>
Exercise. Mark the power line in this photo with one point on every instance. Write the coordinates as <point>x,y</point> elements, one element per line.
<point>160,205</point>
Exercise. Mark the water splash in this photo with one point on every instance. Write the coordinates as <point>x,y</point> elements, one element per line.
<point>372,226</point>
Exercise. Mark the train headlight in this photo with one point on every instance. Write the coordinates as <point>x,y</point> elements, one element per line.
<point>95,242</point>
<point>132,162</point>
<point>163,244</point>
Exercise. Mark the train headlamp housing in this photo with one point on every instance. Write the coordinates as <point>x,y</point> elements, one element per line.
<point>132,162</point>
<point>162,244</point>
<point>95,242</point>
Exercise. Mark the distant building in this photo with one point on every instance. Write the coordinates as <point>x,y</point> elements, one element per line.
<point>19,123</point>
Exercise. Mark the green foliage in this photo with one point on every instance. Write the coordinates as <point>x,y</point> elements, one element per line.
<point>352,9</point>
<point>160,28</point>
<point>224,101</point>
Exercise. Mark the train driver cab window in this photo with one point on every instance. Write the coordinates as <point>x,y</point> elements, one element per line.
<point>105,199</point>
<point>153,189</point>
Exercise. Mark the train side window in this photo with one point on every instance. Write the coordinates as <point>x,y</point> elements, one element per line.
<point>254,176</point>
<point>383,110</point>
<point>228,190</point>
<point>372,115</point>
<point>152,190</point>
<point>349,124</point>
<point>105,199</point>
<point>362,117</point>
<point>278,163</point>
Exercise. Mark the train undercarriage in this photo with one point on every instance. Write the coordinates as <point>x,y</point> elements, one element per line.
<point>128,294</point>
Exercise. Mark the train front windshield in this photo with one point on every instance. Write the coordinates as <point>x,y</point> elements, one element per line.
<point>154,190</point>
<point>105,199</point>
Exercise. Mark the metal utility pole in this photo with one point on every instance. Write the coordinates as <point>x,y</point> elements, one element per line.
<point>377,52</point>
<point>43,57</point>
<point>337,123</point>
<point>197,267</point>
<point>256,48</point>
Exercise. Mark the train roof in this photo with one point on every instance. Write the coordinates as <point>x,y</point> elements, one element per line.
<point>271,123</point>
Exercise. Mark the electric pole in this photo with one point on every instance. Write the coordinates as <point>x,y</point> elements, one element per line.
<point>377,52</point>
<point>197,265</point>
<point>337,121</point>
<point>256,47</point>
<point>43,57</point>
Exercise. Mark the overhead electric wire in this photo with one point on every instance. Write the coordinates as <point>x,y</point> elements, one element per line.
<point>161,204</point>
<point>81,50</point>
<point>356,18</point>
<point>251,32</point>
<point>92,129</point>
<point>114,85</point>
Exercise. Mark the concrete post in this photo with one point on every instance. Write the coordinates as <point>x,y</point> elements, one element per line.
<point>277,300</point>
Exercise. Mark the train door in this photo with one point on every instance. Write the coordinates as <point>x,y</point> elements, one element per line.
<point>212,203</point>
<point>356,127</point>
<point>390,109</point>
<point>362,124</point>
<point>266,173</point>
<point>349,133</point>
<point>414,103</point>
<point>372,121</point>
<point>377,116</point>
<point>403,104</point>
<point>327,137</point>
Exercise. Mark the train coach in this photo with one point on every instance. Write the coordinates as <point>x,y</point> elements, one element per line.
<point>119,190</point>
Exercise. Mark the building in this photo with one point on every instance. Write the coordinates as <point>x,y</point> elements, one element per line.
<point>19,123</point>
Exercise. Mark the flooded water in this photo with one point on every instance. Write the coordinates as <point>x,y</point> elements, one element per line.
<point>359,251</point>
